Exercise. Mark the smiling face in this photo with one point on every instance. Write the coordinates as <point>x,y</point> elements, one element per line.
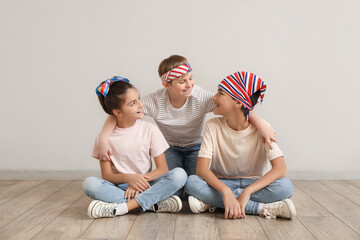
<point>224,104</point>
<point>181,87</point>
<point>131,110</point>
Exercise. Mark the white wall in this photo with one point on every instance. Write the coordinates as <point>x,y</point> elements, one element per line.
<point>54,53</point>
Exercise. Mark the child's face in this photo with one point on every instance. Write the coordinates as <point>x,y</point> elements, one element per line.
<point>181,86</point>
<point>223,103</point>
<point>132,107</point>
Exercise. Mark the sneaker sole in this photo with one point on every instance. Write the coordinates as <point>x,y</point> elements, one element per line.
<point>90,208</point>
<point>192,205</point>
<point>291,206</point>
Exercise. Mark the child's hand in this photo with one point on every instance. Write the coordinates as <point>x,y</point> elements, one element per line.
<point>232,206</point>
<point>104,151</point>
<point>268,134</point>
<point>243,200</point>
<point>138,182</point>
<point>130,193</point>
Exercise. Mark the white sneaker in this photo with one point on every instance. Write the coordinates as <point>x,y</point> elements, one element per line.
<point>198,206</point>
<point>99,209</point>
<point>284,209</point>
<point>172,204</point>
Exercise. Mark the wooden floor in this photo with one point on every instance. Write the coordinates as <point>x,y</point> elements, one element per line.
<point>56,209</point>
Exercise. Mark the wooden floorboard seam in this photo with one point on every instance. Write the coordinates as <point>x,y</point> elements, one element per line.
<point>312,234</point>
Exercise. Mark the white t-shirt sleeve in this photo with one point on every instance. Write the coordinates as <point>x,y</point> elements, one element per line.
<point>158,143</point>
<point>206,149</point>
<point>274,153</point>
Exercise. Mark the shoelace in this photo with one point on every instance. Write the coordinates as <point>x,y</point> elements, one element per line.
<point>108,211</point>
<point>205,206</point>
<point>273,210</point>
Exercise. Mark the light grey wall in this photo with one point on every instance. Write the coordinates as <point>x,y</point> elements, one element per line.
<point>54,53</point>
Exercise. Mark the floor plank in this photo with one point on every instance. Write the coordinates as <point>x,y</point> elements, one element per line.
<point>6,183</point>
<point>110,228</point>
<point>248,228</point>
<point>331,200</point>
<point>79,208</point>
<point>345,189</point>
<point>338,204</point>
<point>354,182</point>
<point>25,201</point>
<point>196,226</point>
<point>33,221</point>
<point>306,206</point>
<point>64,228</point>
<point>71,224</point>
<point>328,228</point>
<point>150,225</point>
<point>284,229</point>
<point>15,189</point>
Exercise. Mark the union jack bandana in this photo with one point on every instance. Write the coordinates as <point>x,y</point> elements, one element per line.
<point>176,72</point>
<point>104,87</point>
<point>241,85</point>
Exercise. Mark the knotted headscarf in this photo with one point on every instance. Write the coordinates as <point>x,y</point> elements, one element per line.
<point>241,85</point>
<point>176,72</point>
<point>104,87</point>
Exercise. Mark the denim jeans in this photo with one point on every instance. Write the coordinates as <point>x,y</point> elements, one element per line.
<point>160,189</point>
<point>280,189</point>
<point>185,158</point>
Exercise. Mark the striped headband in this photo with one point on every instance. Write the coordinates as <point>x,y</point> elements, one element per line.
<point>241,85</point>
<point>176,72</point>
<point>104,87</point>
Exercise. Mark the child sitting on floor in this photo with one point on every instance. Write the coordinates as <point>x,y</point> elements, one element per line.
<point>127,179</point>
<point>245,176</point>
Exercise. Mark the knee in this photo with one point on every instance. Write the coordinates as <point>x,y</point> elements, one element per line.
<point>191,183</point>
<point>285,187</point>
<point>91,185</point>
<point>178,177</point>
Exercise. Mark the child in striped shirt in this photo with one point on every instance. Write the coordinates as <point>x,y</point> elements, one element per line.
<point>179,110</point>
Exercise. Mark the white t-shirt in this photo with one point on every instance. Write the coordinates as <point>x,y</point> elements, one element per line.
<point>132,148</point>
<point>183,126</point>
<point>236,154</point>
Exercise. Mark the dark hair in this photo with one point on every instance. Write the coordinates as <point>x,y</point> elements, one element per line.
<point>170,63</point>
<point>254,98</point>
<point>115,97</point>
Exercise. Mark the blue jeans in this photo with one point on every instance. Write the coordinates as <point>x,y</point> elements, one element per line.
<point>185,158</point>
<point>280,189</point>
<point>160,189</point>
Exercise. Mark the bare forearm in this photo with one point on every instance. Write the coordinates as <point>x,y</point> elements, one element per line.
<point>255,119</point>
<point>108,128</point>
<point>156,173</point>
<point>213,181</point>
<point>278,171</point>
<point>116,178</point>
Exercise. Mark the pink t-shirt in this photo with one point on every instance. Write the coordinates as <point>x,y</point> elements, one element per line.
<point>133,147</point>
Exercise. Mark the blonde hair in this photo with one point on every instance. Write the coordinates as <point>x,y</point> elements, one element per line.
<point>171,62</point>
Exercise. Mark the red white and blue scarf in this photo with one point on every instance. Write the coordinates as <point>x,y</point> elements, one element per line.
<point>104,87</point>
<point>241,85</point>
<point>176,72</point>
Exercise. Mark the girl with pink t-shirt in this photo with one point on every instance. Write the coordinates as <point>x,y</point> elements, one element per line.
<point>128,181</point>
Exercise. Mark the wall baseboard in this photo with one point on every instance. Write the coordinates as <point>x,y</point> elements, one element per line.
<point>47,174</point>
<point>81,174</point>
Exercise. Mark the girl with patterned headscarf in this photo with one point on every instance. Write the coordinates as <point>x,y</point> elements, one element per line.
<point>235,169</point>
